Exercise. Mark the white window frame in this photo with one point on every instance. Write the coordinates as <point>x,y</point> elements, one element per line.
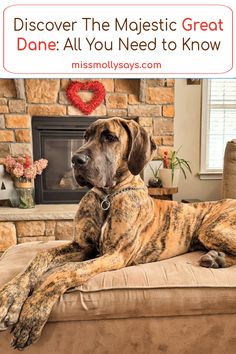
<point>206,173</point>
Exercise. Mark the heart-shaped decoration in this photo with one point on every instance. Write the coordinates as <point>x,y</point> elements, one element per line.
<point>93,86</point>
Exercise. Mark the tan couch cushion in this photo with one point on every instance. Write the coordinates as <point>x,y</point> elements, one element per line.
<point>229,172</point>
<point>173,287</point>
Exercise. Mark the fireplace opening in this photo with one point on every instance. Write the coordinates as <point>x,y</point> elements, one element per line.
<point>56,139</point>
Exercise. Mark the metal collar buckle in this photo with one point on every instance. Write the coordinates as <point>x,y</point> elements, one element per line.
<point>105,204</point>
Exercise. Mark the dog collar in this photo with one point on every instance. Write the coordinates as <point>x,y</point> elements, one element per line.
<point>105,203</point>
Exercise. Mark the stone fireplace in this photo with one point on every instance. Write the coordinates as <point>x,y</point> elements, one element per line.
<point>150,101</point>
<point>20,100</point>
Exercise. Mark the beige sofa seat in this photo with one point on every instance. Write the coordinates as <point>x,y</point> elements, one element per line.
<point>129,308</point>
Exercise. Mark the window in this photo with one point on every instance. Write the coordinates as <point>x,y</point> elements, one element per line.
<point>218,124</point>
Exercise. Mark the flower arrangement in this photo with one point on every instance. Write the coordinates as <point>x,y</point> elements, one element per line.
<point>23,168</point>
<point>172,161</point>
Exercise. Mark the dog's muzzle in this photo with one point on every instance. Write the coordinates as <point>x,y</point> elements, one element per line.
<point>80,166</point>
<point>79,160</point>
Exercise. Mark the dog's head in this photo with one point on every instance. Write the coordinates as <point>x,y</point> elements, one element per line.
<point>112,147</point>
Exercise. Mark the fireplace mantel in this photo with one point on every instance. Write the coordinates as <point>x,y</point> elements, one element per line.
<point>47,222</point>
<point>40,212</point>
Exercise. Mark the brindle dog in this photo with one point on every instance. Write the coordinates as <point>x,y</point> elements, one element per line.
<point>117,225</point>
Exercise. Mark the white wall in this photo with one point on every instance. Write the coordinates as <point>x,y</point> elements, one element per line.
<point>187,130</point>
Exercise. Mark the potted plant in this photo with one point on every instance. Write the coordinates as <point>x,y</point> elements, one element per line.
<point>23,171</point>
<point>172,166</point>
<point>154,181</point>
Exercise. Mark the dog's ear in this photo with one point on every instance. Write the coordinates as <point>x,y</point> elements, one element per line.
<point>141,146</point>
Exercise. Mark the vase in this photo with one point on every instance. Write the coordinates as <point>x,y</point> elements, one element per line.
<point>25,192</point>
<point>168,180</point>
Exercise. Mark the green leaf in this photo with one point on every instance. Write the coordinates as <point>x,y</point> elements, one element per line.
<point>183,171</point>
<point>186,164</point>
<point>154,172</point>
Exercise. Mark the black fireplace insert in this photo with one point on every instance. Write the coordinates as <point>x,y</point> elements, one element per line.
<point>56,139</point>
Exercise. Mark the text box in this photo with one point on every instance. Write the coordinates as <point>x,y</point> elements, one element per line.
<point>123,40</point>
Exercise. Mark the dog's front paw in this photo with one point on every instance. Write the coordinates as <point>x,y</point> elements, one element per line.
<point>213,259</point>
<point>12,298</point>
<point>29,327</point>
<point>26,332</point>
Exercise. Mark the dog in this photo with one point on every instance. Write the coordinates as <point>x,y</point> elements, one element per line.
<point>117,225</point>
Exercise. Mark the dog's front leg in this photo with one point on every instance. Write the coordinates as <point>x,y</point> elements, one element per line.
<point>15,292</point>
<point>38,306</point>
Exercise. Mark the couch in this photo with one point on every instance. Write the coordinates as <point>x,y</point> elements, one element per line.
<point>173,306</point>
<point>229,171</point>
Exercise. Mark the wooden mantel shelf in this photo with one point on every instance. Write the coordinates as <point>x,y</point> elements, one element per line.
<point>162,191</point>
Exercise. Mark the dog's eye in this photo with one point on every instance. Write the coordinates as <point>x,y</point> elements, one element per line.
<point>109,137</point>
<point>85,137</point>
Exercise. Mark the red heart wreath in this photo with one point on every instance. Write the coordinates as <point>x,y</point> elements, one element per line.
<point>86,107</point>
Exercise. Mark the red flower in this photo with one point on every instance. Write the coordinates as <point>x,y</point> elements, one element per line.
<point>27,161</point>
<point>166,160</point>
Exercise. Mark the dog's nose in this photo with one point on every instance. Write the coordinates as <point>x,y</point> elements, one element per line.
<point>80,159</point>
